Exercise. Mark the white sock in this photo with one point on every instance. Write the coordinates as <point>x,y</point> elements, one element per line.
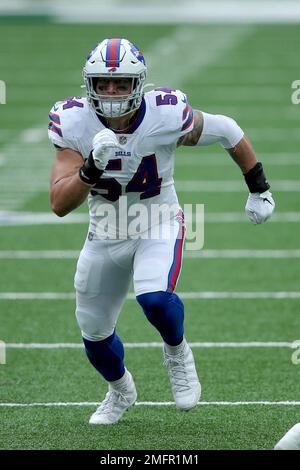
<point>122,382</point>
<point>172,350</point>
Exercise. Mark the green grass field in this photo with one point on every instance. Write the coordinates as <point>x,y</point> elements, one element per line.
<point>244,72</point>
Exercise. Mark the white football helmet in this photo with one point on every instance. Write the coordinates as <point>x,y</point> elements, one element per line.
<point>115,58</point>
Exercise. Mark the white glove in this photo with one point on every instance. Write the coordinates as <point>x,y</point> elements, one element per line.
<point>103,142</point>
<point>259,207</point>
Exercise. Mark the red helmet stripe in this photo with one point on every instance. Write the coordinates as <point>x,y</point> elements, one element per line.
<point>113,53</point>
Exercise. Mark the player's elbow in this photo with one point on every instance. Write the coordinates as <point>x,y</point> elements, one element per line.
<point>59,211</point>
<point>57,207</point>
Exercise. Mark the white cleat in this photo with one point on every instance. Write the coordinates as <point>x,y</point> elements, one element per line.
<point>115,403</point>
<point>183,377</point>
<point>291,440</point>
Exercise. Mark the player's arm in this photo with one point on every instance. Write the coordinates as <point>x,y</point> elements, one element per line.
<point>209,129</point>
<point>72,177</point>
<point>67,189</point>
<point>242,153</point>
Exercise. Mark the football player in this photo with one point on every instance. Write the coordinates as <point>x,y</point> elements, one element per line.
<point>118,145</point>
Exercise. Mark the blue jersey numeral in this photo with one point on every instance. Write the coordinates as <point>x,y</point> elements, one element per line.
<point>144,181</point>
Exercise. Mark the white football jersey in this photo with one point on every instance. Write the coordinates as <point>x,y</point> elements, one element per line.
<point>139,176</point>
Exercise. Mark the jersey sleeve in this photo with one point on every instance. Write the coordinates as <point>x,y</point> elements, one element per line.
<point>176,114</point>
<point>186,117</point>
<point>60,126</point>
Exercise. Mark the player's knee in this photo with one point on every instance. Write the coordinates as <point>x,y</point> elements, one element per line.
<point>96,336</point>
<point>153,301</point>
<point>90,327</point>
<point>156,302</point>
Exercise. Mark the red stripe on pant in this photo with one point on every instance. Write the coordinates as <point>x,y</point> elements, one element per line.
<point>178,257</point>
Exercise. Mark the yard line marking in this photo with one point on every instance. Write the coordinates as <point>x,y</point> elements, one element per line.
<point>205,158</point>
<point>201,156</point>
<point>272,134</point>
<point>152,403</point>
<point>229,217</point>
<point>249,344</point>
<point>43,254</point>
<point>37,296</point>
<point>33,135</point>
<point>73,254</point>
<point>41,218</point>
<point>184,295</point>
<point>232,186</point>
<point>239,295</point>
<point>279,254</point>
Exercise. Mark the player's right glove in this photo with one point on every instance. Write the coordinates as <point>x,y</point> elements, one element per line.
<point>93,167</point>
<point>103,143</point>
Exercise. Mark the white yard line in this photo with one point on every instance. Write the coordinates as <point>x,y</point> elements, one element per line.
<point>229,217</point>
<point>73,254</point>
<point>279,295</point>
<point>157,345</point>
<point>204,157</point>
<point>11,218</point>
<point>151,403</point>
<point>272,254</point>
<point>231,186</point>
<point>47,254</point>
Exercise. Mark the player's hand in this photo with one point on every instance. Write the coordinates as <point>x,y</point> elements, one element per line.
<point>103,142</point>
<point>259,207</point>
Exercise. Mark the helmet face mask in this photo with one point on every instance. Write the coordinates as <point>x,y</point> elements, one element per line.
<point>118,59</point>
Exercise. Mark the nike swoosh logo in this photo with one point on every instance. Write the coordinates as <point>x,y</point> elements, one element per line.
<point>265,199</point>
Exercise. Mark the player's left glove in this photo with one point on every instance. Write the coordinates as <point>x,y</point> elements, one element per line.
<point>259,207</point>
<point>260,203</point>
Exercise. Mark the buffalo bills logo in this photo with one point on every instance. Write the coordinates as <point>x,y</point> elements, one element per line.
<point>112,69</point>
<point>138,54</point>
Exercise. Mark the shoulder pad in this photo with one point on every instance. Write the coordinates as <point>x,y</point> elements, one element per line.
<point>173,114</point>
<point>63,115</point>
